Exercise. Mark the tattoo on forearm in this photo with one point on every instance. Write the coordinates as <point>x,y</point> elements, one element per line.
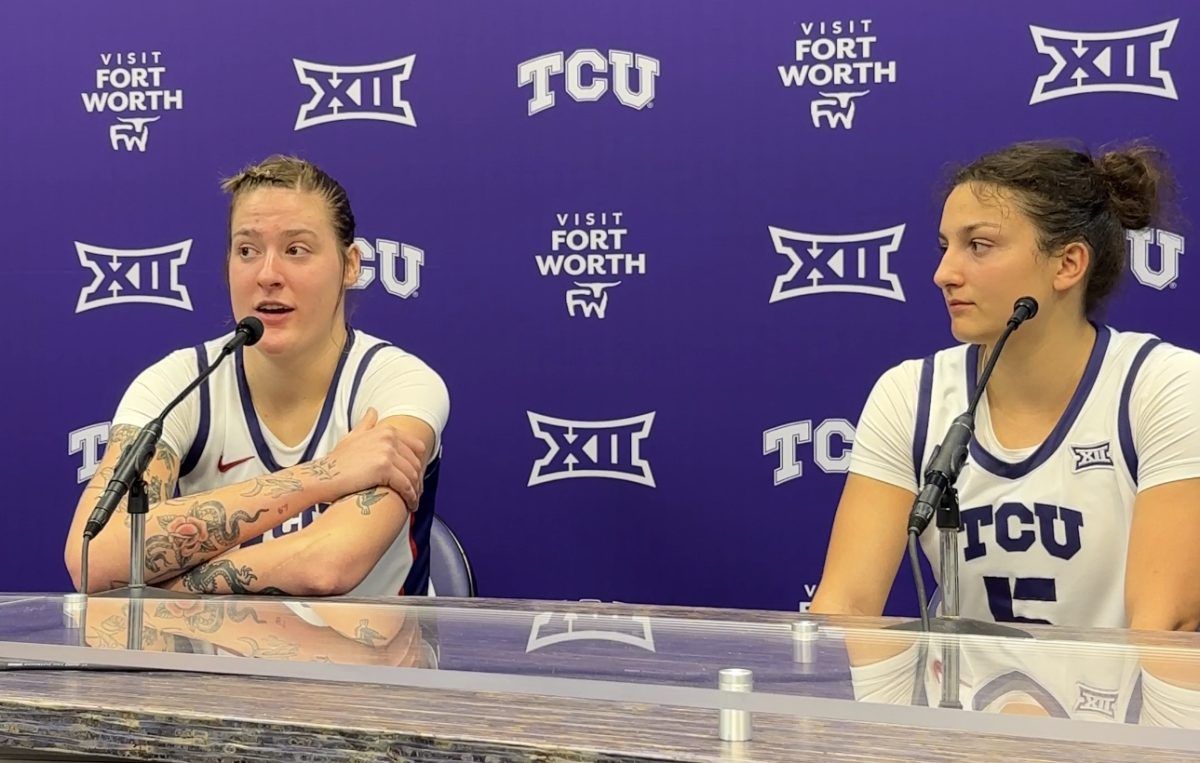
<point>199,616</point>
<point>322,469</point>
<point>365,634</point>
<point>369,498</point>
<point>157,489</point>
<point>163,453</point>
<point>273,648</point>
<point>206,577</point>
<point>205,616</point>
<point>105,633</point>
<point>275,487</point>
<point>239,613</point>
<point>122,434</point>
<point>203,531</point>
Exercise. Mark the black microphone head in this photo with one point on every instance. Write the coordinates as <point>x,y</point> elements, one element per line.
<point>1025,308</point>
<point>253,328</point>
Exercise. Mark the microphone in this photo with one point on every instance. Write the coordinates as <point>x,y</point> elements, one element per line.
<point>1024,309</point>
<point>949,457</point>
<point>250,329</point>
<point>136,456</point>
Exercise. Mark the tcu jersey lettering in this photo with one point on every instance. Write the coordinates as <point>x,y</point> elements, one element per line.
<point>232,446</point>
<point>1045,529</point>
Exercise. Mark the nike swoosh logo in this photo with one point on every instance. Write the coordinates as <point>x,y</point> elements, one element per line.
<point>223,467</point>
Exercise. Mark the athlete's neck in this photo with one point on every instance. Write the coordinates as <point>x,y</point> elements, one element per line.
<point>1040,367</point>
<point>282,382</point>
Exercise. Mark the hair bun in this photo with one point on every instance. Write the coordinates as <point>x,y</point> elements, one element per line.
<point>1133,178</point>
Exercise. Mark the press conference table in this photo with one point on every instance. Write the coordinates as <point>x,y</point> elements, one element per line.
<point>248,679</point>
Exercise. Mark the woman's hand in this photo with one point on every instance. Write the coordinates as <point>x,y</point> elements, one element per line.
<point>372,455</point>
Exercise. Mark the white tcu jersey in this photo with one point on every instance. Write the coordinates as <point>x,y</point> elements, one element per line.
<point>232,446</point>
<point>1045,537</point>
<point>1059,679</point>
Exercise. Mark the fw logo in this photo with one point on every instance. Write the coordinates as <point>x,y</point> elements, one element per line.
<point>130,133</point>
<point>590,299</point>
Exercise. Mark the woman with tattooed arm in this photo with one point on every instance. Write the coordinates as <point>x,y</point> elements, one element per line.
<point>308,465</point>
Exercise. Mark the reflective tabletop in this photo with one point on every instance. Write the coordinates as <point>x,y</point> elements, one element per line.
<point>1117,687</point>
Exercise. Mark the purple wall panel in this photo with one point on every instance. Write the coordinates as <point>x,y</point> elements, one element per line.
<point>679,127</point>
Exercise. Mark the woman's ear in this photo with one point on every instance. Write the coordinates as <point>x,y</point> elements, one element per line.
<point>1072,265</point>
<point>353,266</point>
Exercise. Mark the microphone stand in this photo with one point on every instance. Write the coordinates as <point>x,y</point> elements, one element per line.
<point>939,496</point>
<point>128,477</point>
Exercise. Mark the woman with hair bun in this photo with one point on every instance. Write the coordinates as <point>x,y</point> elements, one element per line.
<point>1081,494</point>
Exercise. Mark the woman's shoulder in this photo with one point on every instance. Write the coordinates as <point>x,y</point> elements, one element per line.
<point>1147,353</point>
<point>911,369</point>
<point>368,344</point>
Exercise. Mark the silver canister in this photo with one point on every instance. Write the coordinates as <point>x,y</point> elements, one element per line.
<point>74,605</point>
<point>735,725</point>
<point>804,640</point>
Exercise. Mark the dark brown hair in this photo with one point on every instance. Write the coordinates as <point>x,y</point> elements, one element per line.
<point>1072,196</point>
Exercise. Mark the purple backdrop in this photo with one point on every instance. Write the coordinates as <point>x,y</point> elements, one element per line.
<point>716,136</point>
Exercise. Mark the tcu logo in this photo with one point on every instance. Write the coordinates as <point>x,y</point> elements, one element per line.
<point>130,133</point>
<point>389,253</point>
<point>591,299</point>
<point>1170,246</point>
<point>1016,529</point>
<point>555,628</point>
<point>1092,457</point>
<point>134,275</point>
<point>857,262</point>
<point>831,450</point>
<point>584,81</point>
<point>606,449</point>
<point>1125,61</point>
<point>88,441</point>
<point>371,91</point>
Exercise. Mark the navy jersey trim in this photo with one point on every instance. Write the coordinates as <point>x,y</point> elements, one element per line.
<point>1012,471</point>
<point>1124,426</point>
<point>417,582</point>
<point>924,395</point>
<point>197,448</point>
<point>1017,681</point>
<point>358,377</point>
<point>1133,711</point>
<point>256,436</point>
